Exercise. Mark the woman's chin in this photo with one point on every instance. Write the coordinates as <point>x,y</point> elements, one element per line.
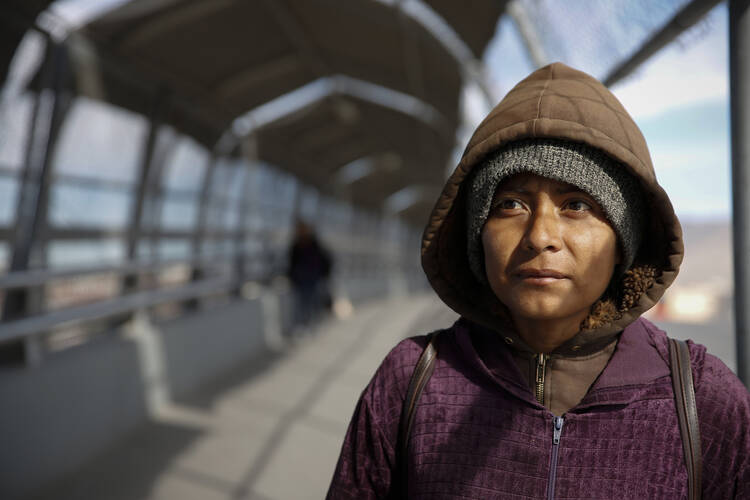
<point>546,309</point>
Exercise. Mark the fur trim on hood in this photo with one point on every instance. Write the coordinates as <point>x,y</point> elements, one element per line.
<point>556,101</point>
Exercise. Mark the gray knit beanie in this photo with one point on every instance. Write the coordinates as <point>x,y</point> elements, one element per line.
<point>582,166</point>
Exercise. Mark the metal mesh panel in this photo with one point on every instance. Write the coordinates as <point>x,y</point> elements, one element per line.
<point>596,36</point>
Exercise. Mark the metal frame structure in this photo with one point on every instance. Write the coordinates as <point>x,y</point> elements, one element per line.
<point>687,17</point>
<point>145,187</point>
<point>27,324</point>
<point>31,214</point>
<point>528,33</point>
<point>323,88</point>
<point>473,69</point>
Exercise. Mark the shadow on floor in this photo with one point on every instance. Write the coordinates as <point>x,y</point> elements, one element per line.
<point>146,452</point>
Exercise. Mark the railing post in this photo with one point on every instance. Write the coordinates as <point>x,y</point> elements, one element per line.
<point>144,190</point>
<point>245,204</point>
<point>31,213</point>
<point>739,87</point>
<point>201,226</point>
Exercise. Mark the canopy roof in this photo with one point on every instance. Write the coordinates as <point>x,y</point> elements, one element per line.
<point>358,150</point>
<point>215,61</point>
<point>15,17</point>
<point>391,73</point>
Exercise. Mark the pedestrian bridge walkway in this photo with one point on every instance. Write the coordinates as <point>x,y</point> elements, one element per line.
<point>271,430</point>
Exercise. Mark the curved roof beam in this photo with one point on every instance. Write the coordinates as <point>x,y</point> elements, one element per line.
<point>529,35</point>
<point>683,20</point>
<point>365,166</point>
<point>424,15</point>
<point>310,94</point>
<point>407,197</point>
<point>393,99</point>
<point>173,19</point>
<point>184,12</point>
<point>355,170</point>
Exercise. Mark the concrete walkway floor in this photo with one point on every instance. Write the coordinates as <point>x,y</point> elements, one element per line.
<point>270,431</point>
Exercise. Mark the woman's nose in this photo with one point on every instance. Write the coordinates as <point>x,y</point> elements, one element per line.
<point>544,230</point>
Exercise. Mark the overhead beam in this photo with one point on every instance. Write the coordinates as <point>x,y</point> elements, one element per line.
<point>409,196</point>
<point>528,32</point>
<point>296,34</point>
<point>471,68</point>
<point>179,14</point>
<point>318,90</point>
<point>682,21</point>
<point>252,76</point>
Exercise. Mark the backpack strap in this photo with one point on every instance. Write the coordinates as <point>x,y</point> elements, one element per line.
<point>419,378</point>
<point>687,413</point>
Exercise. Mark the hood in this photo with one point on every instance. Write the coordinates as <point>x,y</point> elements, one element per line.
<point>556,101</point>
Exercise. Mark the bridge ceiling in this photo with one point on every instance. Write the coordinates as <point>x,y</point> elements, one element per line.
<point>474,20</point>
<point>15,17</point>
<point>391,149</point>
<point>230,56</point>
<point>217,60</point>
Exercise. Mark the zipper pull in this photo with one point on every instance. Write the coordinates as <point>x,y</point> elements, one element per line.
<point>558,425</point>
<point>541,365</point>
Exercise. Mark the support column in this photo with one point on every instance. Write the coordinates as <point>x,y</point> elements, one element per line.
<point>249,154</point>
<point>739,87</point>
<point>144,189</point>
<point>201,227</point>
<point>50,109</point>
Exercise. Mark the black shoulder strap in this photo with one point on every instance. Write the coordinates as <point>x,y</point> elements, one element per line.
<point>419,378</point>
<point>687,414</point>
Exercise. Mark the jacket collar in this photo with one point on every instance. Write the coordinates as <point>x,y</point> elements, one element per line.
<point>637,362</point>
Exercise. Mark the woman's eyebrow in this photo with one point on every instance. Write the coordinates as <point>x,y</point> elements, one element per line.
<point>570,190</point>
<point>521,189</point>
<point>515,189</point>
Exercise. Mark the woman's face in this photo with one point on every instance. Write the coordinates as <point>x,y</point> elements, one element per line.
<point>549,251</point>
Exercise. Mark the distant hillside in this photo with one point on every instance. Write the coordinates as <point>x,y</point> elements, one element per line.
<point>708,255</point>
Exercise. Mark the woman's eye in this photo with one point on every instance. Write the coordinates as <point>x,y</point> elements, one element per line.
<point>579,206</point>
<point>509,205</point>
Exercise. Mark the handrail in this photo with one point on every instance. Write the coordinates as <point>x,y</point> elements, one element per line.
<point>37,277</point>
<point>21,328</point>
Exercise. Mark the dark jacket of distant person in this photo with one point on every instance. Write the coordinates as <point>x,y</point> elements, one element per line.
<point>309,262</point>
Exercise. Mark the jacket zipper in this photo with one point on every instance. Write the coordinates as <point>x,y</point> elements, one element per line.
<point>541,366</point>
<point>556,432</point>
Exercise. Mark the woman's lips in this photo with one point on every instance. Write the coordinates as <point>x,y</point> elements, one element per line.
<point>540,276</point>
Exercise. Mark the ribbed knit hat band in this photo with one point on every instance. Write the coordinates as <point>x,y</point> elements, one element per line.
<point>582,166</point>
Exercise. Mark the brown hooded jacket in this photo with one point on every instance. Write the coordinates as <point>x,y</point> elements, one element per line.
<point>557,101</point>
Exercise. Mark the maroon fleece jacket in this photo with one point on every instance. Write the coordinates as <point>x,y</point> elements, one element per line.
<point>479,432</point>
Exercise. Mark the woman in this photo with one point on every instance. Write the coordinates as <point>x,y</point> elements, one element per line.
<point>550,239</point>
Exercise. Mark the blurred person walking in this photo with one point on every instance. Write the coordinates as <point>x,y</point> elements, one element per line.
<point>551,239</point>
<point>309,271</point>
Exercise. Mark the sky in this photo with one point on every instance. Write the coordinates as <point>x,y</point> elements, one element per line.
<point>679,99</point>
